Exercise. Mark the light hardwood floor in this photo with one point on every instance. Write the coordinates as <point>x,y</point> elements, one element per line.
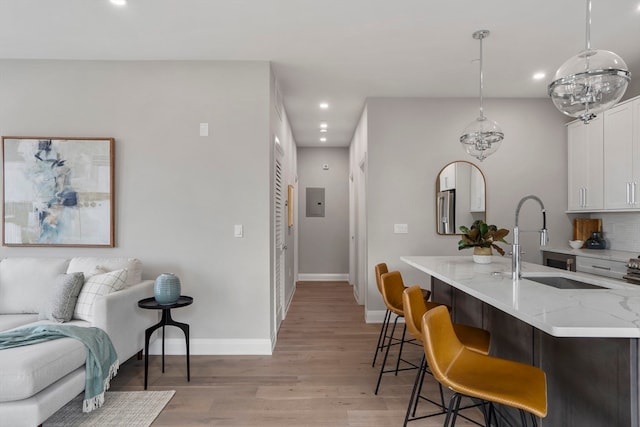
<point>320,374</point>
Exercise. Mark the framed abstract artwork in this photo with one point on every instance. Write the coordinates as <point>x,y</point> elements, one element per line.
<point>58,191</point>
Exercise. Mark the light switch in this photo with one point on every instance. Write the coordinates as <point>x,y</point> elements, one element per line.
<point>237,230</point>
<point>204,129</point>
<point>400,228</point>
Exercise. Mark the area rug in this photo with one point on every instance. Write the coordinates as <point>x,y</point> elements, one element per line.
<point>121,408</point>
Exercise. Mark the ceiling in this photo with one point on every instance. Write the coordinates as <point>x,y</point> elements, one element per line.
<point>338,51</point>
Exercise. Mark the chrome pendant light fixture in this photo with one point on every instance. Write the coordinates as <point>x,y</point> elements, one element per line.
<point>483,136</point>
<point>590,82</point>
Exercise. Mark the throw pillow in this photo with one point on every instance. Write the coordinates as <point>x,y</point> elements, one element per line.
<point>96,286</point>
<point>62,299</point>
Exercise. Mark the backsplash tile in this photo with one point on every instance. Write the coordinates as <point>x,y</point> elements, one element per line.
<point>621,230</point>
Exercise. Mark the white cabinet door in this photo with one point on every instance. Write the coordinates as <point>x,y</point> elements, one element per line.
<point>585,168</point>
<point>477,191</point>
<point>619,158</point>
<point>448,178</point>
<point>635,192</point>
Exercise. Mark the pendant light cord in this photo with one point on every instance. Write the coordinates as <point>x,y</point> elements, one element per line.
<point>481,80</point>
<point>588,42</point>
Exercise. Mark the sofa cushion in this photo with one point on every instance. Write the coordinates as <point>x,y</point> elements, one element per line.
<point>10,321</point>
<point>63,296</point>
<point>88,264</point>
<point>96,286</point>
<point>24,282</point>
<point>26,370</point>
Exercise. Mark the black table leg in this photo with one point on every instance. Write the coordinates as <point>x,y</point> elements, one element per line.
<point>185,330</point>
<point>147,336</point>
<point>166,320</point>
<point>163,343</point>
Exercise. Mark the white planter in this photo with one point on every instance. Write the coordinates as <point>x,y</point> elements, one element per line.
<point>482,259</point>
<point>482,255</point>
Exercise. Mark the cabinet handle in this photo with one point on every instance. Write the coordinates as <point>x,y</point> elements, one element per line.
<point>568,264</point>
<point>628,193</point>
<point>601,268</point>
<point>584,201</point>
<point>633,193</point>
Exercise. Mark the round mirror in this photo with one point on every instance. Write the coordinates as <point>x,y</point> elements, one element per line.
<point>460,197</point>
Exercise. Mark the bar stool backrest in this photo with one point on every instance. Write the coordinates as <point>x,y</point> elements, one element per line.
<point>380,270</point>
<point>414,309</point>
<point>392,289</point>
<point>441,345</point>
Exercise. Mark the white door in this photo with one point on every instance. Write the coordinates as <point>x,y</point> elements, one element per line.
<point>361,234</point>
<point>280,247</point>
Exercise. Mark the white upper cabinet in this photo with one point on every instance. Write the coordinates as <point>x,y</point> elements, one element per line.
<point>621,157</point>
<point>585,168</point>
<point>448,178</point>
<point>477,196</point>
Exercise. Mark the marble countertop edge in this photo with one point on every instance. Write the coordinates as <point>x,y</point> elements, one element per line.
<point>612,312</point>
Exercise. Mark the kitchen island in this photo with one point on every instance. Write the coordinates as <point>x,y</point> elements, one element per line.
<point>586,340</point>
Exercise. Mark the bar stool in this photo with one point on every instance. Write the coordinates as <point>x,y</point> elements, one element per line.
<point>392,287</point>
<point>473,338</point>
<point>469,373</point>
<point>381,269</point>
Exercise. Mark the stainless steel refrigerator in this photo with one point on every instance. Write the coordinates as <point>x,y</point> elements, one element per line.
<point>447,212</point>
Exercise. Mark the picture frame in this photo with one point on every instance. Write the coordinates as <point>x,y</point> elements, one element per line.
<point>58,191</point>
<point>290,205</point>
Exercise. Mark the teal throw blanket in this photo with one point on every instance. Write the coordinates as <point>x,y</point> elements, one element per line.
<point>102,360</point>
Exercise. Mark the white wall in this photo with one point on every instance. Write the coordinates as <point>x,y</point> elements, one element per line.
<point>178,195</point>
<point>411,139</point>
<point>324,241</point>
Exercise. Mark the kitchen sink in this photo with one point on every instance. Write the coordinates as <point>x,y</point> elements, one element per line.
<point>563,282</point>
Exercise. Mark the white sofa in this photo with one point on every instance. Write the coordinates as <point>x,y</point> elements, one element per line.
<point>37,380</point>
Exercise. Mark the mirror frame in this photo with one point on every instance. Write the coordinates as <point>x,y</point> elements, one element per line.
<point>437,187</point>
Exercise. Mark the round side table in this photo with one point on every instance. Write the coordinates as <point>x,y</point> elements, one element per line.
<point>152,304</point>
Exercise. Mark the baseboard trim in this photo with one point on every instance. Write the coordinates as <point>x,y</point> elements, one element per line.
<point>323,277</point>
<point>223,347</point>
<point>377,316</point>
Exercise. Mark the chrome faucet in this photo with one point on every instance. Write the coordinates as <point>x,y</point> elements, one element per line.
<point>516,265</point>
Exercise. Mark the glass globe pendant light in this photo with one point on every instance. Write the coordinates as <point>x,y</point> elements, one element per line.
<point>483,136</point>
<point>590,82</point>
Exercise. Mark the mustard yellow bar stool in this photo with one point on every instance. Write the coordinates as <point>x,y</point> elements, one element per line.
<point>381,269</point>
<point>392,287</point>
<point>473,338</point>
<point>469,373</point>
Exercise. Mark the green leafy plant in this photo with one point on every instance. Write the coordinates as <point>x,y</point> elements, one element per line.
<point>482,235</point>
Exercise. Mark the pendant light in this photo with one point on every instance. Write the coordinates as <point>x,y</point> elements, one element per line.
<point>483,136</point>
<point>590,82</point>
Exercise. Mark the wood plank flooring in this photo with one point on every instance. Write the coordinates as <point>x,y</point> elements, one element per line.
<point>319,375</point>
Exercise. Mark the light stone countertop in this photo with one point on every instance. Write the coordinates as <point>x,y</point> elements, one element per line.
<point>611,312</point>
<point>607,254</point>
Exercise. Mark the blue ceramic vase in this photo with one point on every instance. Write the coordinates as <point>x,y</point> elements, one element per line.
<point>166,289</point>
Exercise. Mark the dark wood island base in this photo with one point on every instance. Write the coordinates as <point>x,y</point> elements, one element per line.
<point>591,382</point>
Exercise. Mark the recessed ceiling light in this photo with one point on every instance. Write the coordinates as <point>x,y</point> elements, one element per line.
<point>323,125</point>
<point>324,105</point>
<point>539,76</point>
<point>119,2</point>
<point>323,130</point>
<point>323,139</point>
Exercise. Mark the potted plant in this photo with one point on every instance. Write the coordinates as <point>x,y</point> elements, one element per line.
<point>482,237</point>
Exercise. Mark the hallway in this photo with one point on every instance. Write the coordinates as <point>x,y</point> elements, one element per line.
<point>319,375</point>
